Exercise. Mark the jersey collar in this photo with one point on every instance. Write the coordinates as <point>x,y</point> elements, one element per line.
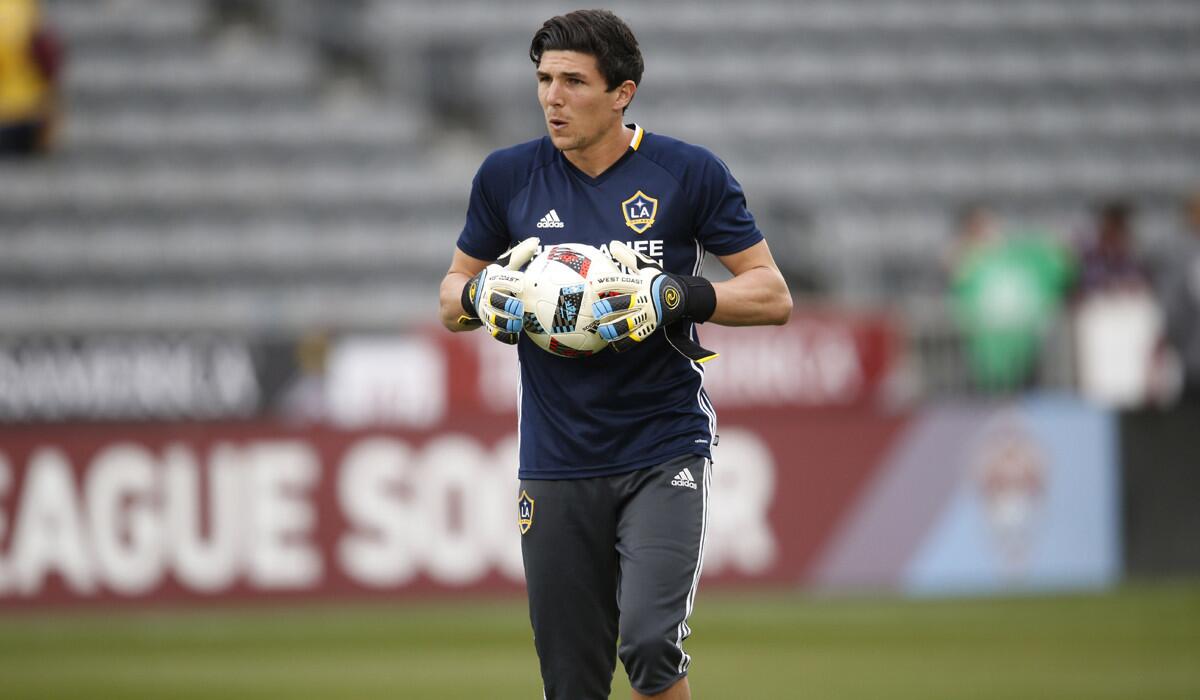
<point>637,136</point>
<point>634,143</point>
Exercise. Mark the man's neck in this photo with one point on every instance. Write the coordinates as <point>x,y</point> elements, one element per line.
<point>600,156</point>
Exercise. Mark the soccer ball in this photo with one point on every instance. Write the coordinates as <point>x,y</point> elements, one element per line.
<point>558,301</point>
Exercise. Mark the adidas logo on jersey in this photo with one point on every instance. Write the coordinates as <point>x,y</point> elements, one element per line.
<point>551,220</point>
<point>684,478</point>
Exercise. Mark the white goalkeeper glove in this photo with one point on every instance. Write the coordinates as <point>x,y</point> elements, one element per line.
<point>493,297</point>
<point>633,306</point>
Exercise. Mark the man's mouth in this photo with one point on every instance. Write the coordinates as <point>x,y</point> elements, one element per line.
<point>557,123</point>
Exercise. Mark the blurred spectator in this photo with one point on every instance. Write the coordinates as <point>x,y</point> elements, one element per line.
<point>1005,291</point>
<point>1180,295</point>
<point>975,228</point>
<point>1107,259</point>
<point>30,59</point>
<point>305,398</point>
<point>1118,324</point>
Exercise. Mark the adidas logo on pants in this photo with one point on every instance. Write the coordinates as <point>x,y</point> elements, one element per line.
<point>684,478</point>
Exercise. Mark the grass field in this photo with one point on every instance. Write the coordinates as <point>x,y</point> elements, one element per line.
<point>1139,642</point>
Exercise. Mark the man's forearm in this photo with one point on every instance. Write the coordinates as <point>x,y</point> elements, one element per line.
<point>757,297</point>
<point>450,296</point>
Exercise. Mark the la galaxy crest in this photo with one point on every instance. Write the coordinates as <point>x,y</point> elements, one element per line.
<point>639,211</point>
<point>525,512</point>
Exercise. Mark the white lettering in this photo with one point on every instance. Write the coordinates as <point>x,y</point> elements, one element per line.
<point>120,483</point>
<point>281,556</point>
<point>233,382</point>
<point>743,483</point>
<point>840,366</point>
<point>48,536</point>
<point>808,363</point>
<point>135,378</point>
<point>374,381</point>
<point>384,547</point>
<point>247,513</point>
<point>200,564</point>
<point>449,511</point>
<point>652,247</point>
<point>498,509</point>
<point>451,497</point>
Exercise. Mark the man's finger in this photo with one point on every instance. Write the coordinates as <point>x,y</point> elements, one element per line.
<point>520,254</point>
<point>623,254</point>
<point>615,284</point>
<point>504,322</point>
<point>631,325</point>
<point>504,336</point>
<point>630,258</point>
<point>507,281</point>
<point>624,344</point>
<point>508,304</point>
<point>611,305</point>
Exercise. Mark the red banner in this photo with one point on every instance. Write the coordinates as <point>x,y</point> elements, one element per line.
<point>178,512</point>
<point>823,358</point>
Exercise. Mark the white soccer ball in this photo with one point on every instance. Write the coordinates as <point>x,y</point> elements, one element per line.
<point>558,301</point>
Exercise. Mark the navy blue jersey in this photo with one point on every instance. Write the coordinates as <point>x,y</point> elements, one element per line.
<point>610,413</point>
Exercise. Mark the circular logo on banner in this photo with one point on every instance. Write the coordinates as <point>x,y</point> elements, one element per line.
<point>1012,475</point>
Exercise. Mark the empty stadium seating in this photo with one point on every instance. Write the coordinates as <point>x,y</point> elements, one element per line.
<point>216,178</point>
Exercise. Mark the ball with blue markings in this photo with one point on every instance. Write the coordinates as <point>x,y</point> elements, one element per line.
<point>558,299</point>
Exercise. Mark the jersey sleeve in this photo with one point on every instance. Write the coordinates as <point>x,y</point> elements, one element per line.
<point>485,234</point>
<point>724,224</point>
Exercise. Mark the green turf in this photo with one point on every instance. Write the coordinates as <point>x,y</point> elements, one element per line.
<point>1140,642</point>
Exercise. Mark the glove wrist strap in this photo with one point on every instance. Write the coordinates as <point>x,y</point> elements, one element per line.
<point>467,302</point>
<point>700,298</point>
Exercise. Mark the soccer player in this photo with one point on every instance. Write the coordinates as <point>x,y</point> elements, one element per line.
<point>615,449</point>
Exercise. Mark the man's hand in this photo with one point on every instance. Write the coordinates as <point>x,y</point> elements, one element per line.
<point>494,295</point>
<point>633,306</point>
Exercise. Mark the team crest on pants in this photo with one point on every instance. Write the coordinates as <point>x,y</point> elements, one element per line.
<point>639,211</point>
<point>525,512</point>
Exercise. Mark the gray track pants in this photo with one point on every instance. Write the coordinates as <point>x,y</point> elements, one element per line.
<point>608,556</point>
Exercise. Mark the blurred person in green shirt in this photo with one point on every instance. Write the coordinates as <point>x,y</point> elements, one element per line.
<point>1005,291</point>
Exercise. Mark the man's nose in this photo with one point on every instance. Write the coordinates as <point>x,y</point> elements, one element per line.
<point>554,93</point>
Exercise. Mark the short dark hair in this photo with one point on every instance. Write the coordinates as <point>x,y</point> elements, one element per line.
<point>598,33</point>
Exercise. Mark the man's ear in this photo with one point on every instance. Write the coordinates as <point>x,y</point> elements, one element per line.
<point>624,94</point>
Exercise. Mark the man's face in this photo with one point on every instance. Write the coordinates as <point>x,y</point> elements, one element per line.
<point>575,99</point>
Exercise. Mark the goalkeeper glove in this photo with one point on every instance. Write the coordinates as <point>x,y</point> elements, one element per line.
<point>494,295</point>
<point>633,306</point>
